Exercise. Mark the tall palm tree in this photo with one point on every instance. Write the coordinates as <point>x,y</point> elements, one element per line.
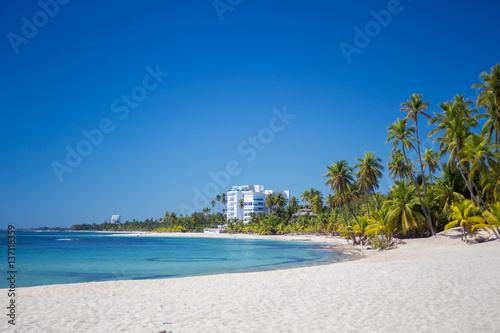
<point>270,202</point>
<point>399,133</point>
<point>241,205</point>
<point>397,165</point>
<point>415,107</point>
<point>218,198</point>
<point>401,207</point>
<point>280,201</point>
<point>369,171</point>
<point>316,204</point>
<point>294,203</point>
<point>212,204</point>
<point>489,98</point>
<point>223,201</point>
<point>340,176</point>
<point>331,201</point>
<point>305,196</point>
<point>431,160</point>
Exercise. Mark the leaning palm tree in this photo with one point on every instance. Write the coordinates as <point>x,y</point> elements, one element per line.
<point>401,207</point>
<point>455,123</point>
<point>489,98</point>
<point>399,133</point>
<point>480,152</point>
<point>369,171</point>
<point>465,214</point>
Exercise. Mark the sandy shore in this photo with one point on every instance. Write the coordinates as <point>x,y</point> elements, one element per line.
<point>428,285</point>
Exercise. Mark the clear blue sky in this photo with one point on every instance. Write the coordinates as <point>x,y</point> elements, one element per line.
<point>225,78</point>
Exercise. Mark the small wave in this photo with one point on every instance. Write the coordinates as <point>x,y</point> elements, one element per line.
<point>64,239</point>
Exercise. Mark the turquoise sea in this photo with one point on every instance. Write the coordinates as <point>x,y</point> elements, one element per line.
<point>44,258</point>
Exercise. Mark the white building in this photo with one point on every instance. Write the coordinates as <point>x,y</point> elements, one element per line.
<point>254,197</point>
<point>115,218</point>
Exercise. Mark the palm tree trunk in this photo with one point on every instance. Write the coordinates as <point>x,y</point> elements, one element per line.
<point>367,208</point>
<point>491,178</point>
<point>349,207</point>
<point>347,224</point>
<point>479,194</point>
<point>423,177</point>
<point>424,208</point>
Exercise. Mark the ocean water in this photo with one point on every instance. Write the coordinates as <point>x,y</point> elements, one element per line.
<point>44,258</point>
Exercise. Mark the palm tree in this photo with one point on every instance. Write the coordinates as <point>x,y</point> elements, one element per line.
<point>223,199</point>
<point>316,204</point>
<point>331,201</point>
<point>455,123</point>
<point>397,166</point>
<point>218,198</point>
<point>445,195</point>
<point>340,177</point>
<point>294,202</point>
<point>493,216</point>
<point>280,201</point>
<point>241,205</point>
<point>464,213</point>
<point>401,207</point>
<point>270,202</point>
<point>369,171</point>
<point>399,133</point>
<point>205,211</point>
<point>431,160</point>
<point>489,98</point>
<point>213,203</point>
<point>305,196</point>
<point>479,151</point>
<point>415,107</point>
<point>379,223</point>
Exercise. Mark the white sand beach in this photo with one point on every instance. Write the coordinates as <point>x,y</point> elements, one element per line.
<point>427,285</point>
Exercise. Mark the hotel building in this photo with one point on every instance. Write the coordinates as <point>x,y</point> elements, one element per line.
<point>254,197</point>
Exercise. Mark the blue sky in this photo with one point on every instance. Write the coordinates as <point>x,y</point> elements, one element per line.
<point>225,78</point>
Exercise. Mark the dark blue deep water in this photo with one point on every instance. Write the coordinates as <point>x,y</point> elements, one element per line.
<point>44,258</point>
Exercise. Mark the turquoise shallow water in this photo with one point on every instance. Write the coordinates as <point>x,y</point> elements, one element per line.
<point>44,258</point>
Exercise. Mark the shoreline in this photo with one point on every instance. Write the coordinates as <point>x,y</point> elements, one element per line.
<point>431,284</point>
